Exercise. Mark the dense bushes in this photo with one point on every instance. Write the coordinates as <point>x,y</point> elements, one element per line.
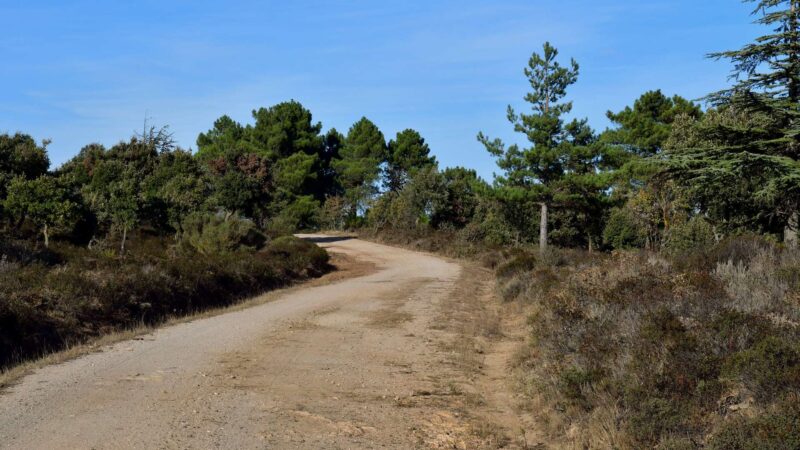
<point>635,350</point>
<point>623,230</point>
<point>210,234</point>
<point>51,300</point>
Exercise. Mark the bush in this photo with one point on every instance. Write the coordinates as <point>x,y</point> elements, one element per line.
<point>307,256</point>
<point>694,236</point>
<point>212,234</point>
<point>769,369</point>
<point>623,230</point>
<point>301,214</point>
<point>777,430</point>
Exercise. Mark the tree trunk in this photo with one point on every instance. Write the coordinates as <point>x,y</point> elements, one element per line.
<point>591,244</point>
<point>124,238</point>
<point>46,237</point>
<point>543,228</point>
<point>790,237</point>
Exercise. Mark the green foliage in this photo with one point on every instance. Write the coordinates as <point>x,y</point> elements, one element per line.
<point>489,226</point>
<point>644,128</point>
<point>695,235</point>
<point>463,190</point>
<point>225,137</point>
<point>285,129</point>
<point>770,367</point>
<point>113,196</point>
<point>565,166</point>
<point>333,214</point>
<point>177,186</point>
<point>211,234</point>
<point>741,164</point>
<point>44,201</point>
<point>623,230</point>
<point>407,154</point>
<point>277,171</point>
<point>298,253</point>
<point>301,214</point>
<point>20,156</point>
<point>359,167</point>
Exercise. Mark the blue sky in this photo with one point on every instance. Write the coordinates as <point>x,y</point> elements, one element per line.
<point>79,72</point>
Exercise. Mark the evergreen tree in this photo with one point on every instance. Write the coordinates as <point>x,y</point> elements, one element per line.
<point>744,171</point>
<point>359,168</point>
<point>560,166</point>
<point>643,129</point>
<point>463,190</point>
<point>225,137</point>
<point>177,186</point>
<point>282,163</point>
<point>407,153</point>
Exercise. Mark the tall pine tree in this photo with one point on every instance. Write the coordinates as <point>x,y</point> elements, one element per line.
<point>560,167</point>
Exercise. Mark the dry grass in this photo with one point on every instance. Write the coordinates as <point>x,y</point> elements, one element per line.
<point>634,350</point>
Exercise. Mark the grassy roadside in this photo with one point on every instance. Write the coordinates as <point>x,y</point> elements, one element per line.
<point>68,296</point>
<point>342,267</point>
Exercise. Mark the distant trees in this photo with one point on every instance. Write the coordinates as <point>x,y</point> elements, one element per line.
<point>664,167</point>
<point>644,128</point>
<point>20,156</point>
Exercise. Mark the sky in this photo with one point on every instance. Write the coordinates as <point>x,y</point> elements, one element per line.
<point>78,72</point>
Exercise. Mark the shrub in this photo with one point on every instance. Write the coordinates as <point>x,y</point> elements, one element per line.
<point>301,214</point>
<point>211,234</point>
<point>524,262</point>
<point>623,230</point>
<point>694,236</point>
<point>300,254</point>
<point>769,369</point>
<point>776,430</point>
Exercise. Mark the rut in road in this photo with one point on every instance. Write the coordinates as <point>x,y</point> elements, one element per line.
<point>358,363</point>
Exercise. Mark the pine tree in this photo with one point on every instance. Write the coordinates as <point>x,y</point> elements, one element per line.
<point>747,157</point>
<point>560,166</point>
<point>359,168</point>
<point>407,153</point>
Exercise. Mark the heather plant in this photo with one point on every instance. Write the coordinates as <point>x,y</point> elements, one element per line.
<point>666,353</point>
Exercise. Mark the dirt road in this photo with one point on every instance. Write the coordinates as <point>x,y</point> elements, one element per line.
<point>374,361</point>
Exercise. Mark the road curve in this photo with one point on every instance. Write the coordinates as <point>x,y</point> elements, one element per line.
<point>317,367</point>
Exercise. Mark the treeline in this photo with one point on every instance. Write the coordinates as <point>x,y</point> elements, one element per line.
<point>281,173</point>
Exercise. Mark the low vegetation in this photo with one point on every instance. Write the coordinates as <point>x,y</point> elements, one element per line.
<point>52,298</point>
<point>644,350</point>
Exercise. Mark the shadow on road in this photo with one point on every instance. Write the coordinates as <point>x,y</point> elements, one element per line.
<point>325,239</point>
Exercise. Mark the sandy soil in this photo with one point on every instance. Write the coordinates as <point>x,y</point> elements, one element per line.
<point>409,354</point>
